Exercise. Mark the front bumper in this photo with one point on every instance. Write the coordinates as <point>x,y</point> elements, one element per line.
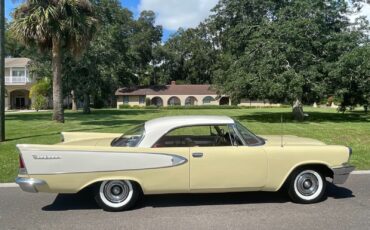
<point>341,174</point>
<point>29,184</point>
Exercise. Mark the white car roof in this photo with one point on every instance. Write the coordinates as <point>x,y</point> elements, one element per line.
<point>156,128</point>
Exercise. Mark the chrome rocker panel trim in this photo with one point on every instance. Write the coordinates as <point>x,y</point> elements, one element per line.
<point>341,174</point>
<point>29,184</point>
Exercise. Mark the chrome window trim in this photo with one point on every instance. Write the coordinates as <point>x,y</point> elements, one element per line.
<point>185,126</point>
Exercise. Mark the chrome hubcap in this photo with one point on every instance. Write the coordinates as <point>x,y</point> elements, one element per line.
<point>307,184</point>
<point>116,191</point>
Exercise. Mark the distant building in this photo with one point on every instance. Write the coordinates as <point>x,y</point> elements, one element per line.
<point>18,82</point>
<point>173,94</point>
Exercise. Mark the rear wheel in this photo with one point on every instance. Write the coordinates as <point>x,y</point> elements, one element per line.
<point>307,186</point>
<point>117,195</point>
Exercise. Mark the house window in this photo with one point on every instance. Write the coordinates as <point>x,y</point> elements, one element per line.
<point>208,100</point>
<point>191,101</point>
<point>18,72</point>
<point>141,99</point>
<point>174,101</point>
<point>125,99</point>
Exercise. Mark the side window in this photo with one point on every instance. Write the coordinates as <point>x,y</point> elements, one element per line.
<point>141,99</point>
<point>202,136</point>
<point>126,99</point>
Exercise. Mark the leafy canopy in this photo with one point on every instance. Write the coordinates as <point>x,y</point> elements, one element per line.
<point>37,22</point>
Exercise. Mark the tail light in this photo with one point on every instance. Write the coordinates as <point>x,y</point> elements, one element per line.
<point>22,166</point>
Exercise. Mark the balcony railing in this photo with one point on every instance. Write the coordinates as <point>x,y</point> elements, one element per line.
<point>16,80</point>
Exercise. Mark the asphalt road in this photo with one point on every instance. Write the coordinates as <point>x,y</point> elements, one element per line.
<point>347,207</point>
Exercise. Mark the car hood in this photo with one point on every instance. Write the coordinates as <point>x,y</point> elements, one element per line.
<point>289,140</point>
<point>91,142</point>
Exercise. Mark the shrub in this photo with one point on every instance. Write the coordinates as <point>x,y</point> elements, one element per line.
<point>151,107</point>
<point>180,107</point>
<point>202,107</point>
<point>147,101</point>
<point>124,106</point>
<point>39,102</point>
<point>42,87</point>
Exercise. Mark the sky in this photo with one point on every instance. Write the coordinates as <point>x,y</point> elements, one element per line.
<point>171,14</point>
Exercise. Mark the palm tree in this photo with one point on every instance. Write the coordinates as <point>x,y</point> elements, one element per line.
<point>56,26</point>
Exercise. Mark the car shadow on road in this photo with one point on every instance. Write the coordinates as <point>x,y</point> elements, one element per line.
<point>337,192</point>
<point>85,201</point>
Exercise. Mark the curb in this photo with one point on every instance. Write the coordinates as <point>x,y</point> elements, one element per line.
<point>361,172</point>
<point>8,185</point>
<point>14,185</point>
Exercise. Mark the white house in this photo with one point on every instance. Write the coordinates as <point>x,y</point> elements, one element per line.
<point>18,83</point>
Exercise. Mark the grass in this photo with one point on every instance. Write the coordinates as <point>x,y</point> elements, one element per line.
<point>351,129</point>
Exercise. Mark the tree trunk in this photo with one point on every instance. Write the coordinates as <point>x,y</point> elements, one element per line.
<point>86,103</point>
<point>74,101</point>
<point>58,111</point>
<point>298,111</point>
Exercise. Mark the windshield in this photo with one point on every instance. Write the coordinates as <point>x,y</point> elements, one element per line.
<point>248,137</point>
<point>131,138</point>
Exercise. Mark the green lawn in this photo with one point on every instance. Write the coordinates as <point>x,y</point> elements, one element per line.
<point>352,129</point>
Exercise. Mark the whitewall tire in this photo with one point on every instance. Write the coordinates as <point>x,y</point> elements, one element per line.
<point>307,186</point>
<point>117,195</point>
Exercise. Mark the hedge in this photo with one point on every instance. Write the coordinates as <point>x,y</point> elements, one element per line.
<point>180,107</point>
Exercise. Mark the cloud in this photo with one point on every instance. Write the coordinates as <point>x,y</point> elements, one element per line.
<point>173,14</point>
<point>365,11</point>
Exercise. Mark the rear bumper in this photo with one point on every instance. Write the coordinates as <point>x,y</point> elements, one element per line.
<point>29,184</point>
<point>340,175</point>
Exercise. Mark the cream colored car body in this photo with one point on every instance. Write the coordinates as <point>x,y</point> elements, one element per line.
<point>86,158</point>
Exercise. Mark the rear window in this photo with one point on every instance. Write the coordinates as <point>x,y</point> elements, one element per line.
<point>131,138</point>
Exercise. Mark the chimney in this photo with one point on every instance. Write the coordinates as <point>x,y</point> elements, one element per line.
<point>173,82</point>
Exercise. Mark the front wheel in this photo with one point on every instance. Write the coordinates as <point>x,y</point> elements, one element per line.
<point>117,195</point>
<point>307,186</point>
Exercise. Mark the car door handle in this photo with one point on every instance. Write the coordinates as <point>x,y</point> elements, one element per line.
<point>198,155</point>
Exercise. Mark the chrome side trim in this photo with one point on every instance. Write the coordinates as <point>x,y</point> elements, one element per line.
<point>340,175</point>
<point>29,184</point>
<point>175,161</point>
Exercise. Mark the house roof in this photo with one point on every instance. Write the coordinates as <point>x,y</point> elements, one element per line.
<point>172,89</point>
<point>16,62</point>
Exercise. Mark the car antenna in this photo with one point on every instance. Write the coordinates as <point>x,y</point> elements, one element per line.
<point>282,131</point>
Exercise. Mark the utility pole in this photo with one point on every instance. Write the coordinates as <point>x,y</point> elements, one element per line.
<point>2,71</point>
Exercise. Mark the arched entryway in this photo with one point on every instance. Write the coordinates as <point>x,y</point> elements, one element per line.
<point>19,99</point>
<point>157,101</point>
<point>173,101</point>
<point>224,101</point>
<point>208,100</point>
<point>191,101</point>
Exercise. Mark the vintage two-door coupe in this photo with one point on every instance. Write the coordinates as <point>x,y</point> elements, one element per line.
<point>182,154</point>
